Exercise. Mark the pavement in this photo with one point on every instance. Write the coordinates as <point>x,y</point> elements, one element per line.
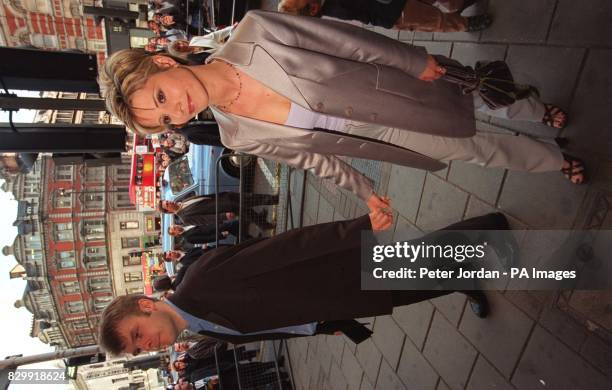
<point>532,339</point>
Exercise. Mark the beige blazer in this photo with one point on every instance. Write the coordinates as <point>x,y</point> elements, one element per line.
<point>344,71</point>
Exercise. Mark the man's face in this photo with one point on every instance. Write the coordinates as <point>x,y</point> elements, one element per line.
<point>147,332</point>
<point>168,142</point>
<point>183,386</point>
<point>179,365</point>
<point>173,255</point>
<point>181,347</point>
<point>175,230</point>
<point>170,206</point>
<point>167,19</point>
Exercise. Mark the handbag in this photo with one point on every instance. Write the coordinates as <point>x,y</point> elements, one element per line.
<point>492,80</point>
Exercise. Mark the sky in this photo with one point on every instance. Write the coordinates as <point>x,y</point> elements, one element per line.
<point>15,324</point>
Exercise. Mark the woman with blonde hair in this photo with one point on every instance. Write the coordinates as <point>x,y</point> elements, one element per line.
<point>304,91</point>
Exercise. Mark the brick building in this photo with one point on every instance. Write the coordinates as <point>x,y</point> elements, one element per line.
<point>80,243</point>
<point>51,24</point>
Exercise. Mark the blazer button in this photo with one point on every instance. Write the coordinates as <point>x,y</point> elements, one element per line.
<point>348,111</point>
<point>373,116</point>
<point>320,107</point>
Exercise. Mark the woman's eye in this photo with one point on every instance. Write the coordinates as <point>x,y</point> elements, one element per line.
<point>161,97</point>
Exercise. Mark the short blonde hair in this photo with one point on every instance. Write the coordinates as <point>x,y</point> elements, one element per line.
<point>123,73</point>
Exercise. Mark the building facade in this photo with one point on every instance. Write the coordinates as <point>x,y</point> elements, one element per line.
<point>79,240</point>
<point>51,24</point>
<point>120,374</point>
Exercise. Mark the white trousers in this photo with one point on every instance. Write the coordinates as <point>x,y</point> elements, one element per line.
<point>514,152</point>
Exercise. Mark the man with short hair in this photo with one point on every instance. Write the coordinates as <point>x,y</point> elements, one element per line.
<point>302,282</point>
<point>200,210</point>
<point>204,234</point>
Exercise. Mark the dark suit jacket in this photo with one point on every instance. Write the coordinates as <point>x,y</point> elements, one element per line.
<point>301,276</point>
<point>202,234</point>
<point>366,11</point>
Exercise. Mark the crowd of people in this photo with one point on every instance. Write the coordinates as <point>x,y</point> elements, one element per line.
<point>209,364</point>
<point>302,90</point>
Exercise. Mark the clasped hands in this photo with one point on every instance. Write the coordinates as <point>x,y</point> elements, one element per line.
<point>381,215</point>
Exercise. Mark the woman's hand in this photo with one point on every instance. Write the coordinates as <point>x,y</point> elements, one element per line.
<point>381,220</point>
<point>432,71</point>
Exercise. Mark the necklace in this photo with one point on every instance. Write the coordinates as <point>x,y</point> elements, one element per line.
<point>226,108</point>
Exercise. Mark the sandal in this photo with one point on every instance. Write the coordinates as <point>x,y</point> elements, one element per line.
<point>554,116</point>
<point>575,170</point>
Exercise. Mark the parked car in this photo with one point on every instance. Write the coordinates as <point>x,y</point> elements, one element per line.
<point>194,174</point>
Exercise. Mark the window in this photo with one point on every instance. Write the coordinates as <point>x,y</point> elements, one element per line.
<point>66,259</point>
<point>64,116</point>
<point>131,260</point>
<point>62,201</point>
<point>79,325</point>
<point>71,287</point>
<point>95,257</point>
<point>134,290</point>
<point>74,307</point>
<point>122,198</point>
<point>93,230</point>
<point>63,172</point>
<point>99,303</point>
<point>85,339</point>
<point>130,242</point>
<point>94,174</point>
<point>101,283</point>
<point>63,231</point>
<point>132,276</point>
<point>93,198</point>
<point>128,225</point>
<point>122,173</point>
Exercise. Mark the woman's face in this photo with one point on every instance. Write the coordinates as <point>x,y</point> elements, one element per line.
<point>170,97</point>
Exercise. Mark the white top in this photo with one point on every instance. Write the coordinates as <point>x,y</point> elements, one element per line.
<point>306,119</point>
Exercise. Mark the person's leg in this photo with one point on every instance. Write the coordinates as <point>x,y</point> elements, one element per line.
<point>530,109</point>
<point>520,153</point>
<point>421,16</point>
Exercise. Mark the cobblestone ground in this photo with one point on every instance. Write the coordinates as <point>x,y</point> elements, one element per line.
<point>532,340</point>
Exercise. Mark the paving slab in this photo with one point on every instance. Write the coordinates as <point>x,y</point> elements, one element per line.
<point>442,385</point>
<point>388,379</point>
<point>485,182</point>
<point>404,229</point>
<point>369,357</point>
<point>337,381</point>
<point>414,371</point>
<point>457,36</point>
<point>470,53</point>
<point>547,362</point>
<point>526,301</point>
<point>589,129</point>
<point>449,353</point>
<point>365,384</point>
<point>442,204</point>
<point>519,21</point>
<point>451,306</point>
<point>599,353</point>
<point>476,207</point>
<point>336,346</point>
<point>324,353</point>
<point>436,48</point>
<point>415,320</point>
<point>389,338</point>
<point>405,189</point>
<point>485,377</point>
<point>542,200</point>
<point>326,211</point>
<point>391,33</point>
<point>311,201</point>
<point>564,327</point>
<point>351,369</point>
<point>501,336</point>
<point>582,23</point>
